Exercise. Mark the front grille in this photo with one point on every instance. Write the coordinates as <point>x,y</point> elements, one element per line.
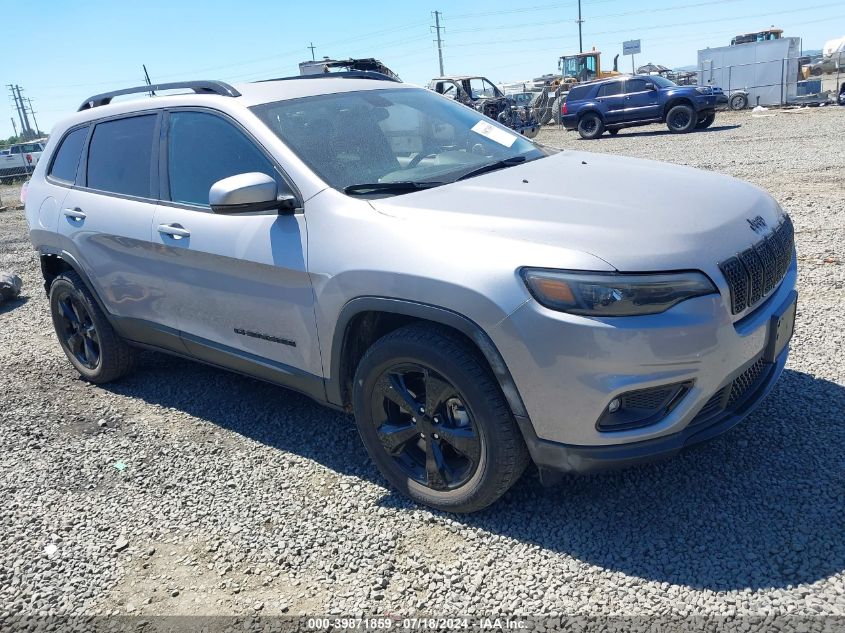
<point>651,399</point>
<point>736,390</point>
<point>756,271</point>
<point>745,381</point>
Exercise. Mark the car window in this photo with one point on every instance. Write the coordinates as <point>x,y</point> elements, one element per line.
<point>635,85</point>
<point>608,90</point>
<point>204,148</point>
<point>578,93</point>
<point>120,154</point>
<point>67,156</point>
<point>481,89</point>
<point>390,135</point>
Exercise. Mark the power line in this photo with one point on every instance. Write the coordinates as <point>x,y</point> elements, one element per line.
<point>661,26</point>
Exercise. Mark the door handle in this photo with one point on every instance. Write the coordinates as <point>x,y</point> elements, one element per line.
<point>76,214</point>
<point>175,231</point>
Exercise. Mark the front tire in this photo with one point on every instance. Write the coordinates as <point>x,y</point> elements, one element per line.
<point>681,119</point>
<point>590,126</point>
<point>706,122</point>
<point>434,420</point>
<point>84,333</point>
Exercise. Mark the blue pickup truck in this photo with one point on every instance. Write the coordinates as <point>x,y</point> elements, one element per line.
<point>612,104</point>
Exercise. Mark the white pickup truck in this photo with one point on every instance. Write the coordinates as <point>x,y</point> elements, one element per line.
<point>20,159</point>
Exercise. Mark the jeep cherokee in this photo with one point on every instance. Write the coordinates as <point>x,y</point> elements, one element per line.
<point>477,300</point>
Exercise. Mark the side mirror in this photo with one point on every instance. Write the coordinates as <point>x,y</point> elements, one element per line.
<point>248,193</point>
<point>650,86</point>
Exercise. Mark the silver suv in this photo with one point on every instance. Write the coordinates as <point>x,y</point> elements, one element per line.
<point>478,301</point>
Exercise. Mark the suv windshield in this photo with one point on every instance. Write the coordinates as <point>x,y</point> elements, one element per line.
<point>392,136</point>
<point>662,82</point>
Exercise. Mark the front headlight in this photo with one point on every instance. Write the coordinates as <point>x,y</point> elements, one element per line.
<point>614,294</point>
<point>705,90</point>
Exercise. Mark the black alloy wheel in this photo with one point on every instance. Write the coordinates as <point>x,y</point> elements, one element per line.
<point>434,420</point>
<point>78,334</point>
<point>86,336</point>
<point>425,426</point>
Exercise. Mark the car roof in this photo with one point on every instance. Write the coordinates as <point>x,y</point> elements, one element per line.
<point>250,94</point>
<point>459,77</point>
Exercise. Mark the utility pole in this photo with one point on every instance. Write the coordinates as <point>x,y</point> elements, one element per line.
<point>17,109</point>
<point>14,127</point>
<point>147,78</point>
<point>27,129</point>
<point>34,120</point>
<point>580,22</point>
<point>437,26</point>
<point>312,47</point>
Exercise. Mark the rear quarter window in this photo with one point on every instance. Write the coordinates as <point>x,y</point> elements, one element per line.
<point>67,156</point>
<point>578,93</point>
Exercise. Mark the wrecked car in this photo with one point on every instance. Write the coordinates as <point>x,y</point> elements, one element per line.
<point>479,93</point>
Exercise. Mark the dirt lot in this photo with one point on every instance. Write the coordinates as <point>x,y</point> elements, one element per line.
<point>240,497</point>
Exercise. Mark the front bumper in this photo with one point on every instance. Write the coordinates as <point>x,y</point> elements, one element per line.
<point>553,457</point>
<point>568,368</point>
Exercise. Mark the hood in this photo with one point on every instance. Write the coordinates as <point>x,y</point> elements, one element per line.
<point>637,215</point>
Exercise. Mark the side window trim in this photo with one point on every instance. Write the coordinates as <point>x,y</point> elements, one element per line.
<point>164,167</point>
<point>82,157</point>
<point>82,173</point>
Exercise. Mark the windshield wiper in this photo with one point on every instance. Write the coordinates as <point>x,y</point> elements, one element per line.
<point>499,164</point>
<point>402,186</point>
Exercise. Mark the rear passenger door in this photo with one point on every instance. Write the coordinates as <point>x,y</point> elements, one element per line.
<point>612,101</point>
<point>238,284</point>
<point>641,100</point>
<point>106,218</point>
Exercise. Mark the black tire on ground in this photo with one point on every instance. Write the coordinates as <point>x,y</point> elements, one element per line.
<point>681,119</point>
<point>85,335</point>
<point>706,122</point>
<point>419,392</point>
<point>738,102</point>
<point>590,126</point>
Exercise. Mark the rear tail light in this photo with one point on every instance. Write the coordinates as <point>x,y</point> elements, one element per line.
<point>29,158</point>
<point>563,109</point>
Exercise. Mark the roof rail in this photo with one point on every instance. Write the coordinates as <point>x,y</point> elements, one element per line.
<point>200,87</point>
<point>346,74</point>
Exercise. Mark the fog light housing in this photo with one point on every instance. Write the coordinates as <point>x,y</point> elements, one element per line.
<point>642,407</point>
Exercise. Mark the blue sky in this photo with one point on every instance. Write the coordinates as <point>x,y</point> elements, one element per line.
<point>91,46</point>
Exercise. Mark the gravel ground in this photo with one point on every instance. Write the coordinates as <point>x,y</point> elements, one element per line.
<point>187,490</point>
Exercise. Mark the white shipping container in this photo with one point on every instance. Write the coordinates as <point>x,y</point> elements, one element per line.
<point>768,71</point>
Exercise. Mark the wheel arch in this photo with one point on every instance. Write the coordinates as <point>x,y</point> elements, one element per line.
<point>674,101</point>
<point>365,319</point>
<point>590,110</point>
<point>55,262</point>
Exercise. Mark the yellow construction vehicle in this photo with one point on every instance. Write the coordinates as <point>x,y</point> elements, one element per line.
<point>583,67</point>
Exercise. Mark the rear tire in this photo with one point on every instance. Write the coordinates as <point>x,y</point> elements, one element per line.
<point>85,335</point>
<point>706,122</point>
<point>590,126</point>
<point>434,420</point>
<point>681,119</point>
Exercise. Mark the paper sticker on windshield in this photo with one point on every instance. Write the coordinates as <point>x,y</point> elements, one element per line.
<point>494,133</point>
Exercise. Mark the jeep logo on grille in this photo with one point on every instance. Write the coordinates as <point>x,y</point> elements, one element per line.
<point>757,223</point>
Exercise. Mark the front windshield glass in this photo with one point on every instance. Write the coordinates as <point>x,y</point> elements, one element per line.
<point>662,82</point>
<point>391,136</point>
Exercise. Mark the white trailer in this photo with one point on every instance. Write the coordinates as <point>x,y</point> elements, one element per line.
<point>768,71</point>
